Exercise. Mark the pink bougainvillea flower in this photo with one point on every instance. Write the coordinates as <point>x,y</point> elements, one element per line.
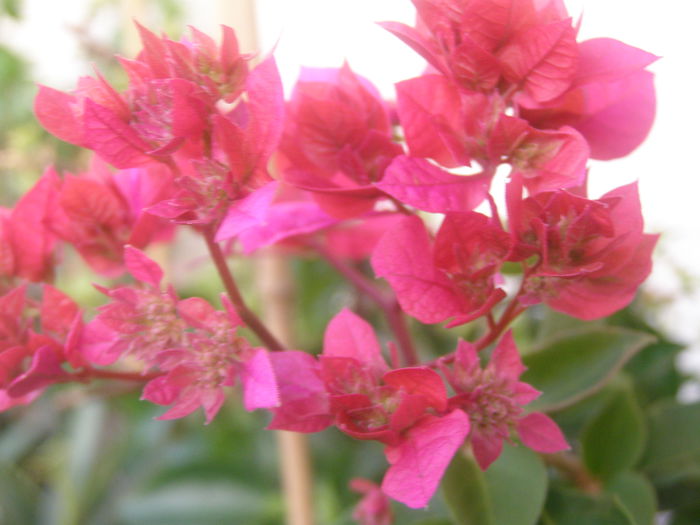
<point>153,119</point>
<point>494,399</point>
<point>174,89</point>
<point>141,320</point>
<point>611,100</point>
<point>196,347</point>
<point>403,408</point>
<point>295,222</point>
<point>140,188</point>
<point>92,216</point>
<point>352,385</point>
<point>419,183</point>
<point>420,459</point>
<point>221,70</point>
<point>593,254</point>
<point>477,45</point>
<point>247,212</point>
<point>35,342</point>
<point>541,59</point>
<point>444,123</point>
<point>374,507</point>
<point>249,134</point>
<point>285,221</point>
<point>356,239</point>
<point>27,247</point>
<point>453,276</point>
<point>207,189</point>
<point>98,212</point>
<point>277,213</point>
<point>546,160</point>
<point>454,127</point>
<point>304,404</point>
<point>337,140</point>
<point>211,357</point>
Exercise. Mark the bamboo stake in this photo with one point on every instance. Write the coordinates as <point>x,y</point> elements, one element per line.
<point>275,285</point>
<point>274,281</point>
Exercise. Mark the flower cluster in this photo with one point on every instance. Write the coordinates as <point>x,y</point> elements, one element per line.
<point>189,143</point>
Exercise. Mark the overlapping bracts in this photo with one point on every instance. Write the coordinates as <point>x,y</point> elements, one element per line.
<point>190,142</point>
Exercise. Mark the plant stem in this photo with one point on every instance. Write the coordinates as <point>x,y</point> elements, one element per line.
<point>573,469</point>
<point>389,305</point>
<point>90,373</point>
<point>248,316</point>
<point>496,329</point>
<point>512,311</point>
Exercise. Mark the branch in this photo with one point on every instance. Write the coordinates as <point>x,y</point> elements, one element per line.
<point>389,305</point>
<point>248,316</point>
<point>573,469</point>
<point>88,373</point>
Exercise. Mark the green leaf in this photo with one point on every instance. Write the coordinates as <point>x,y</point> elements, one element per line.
<point>571,507</point>
<point>655,373</point>
<point>552,323</point>
<point>517,485</point>
<point>686,516</point>
<point>466,494</point>
<point>18,496</point>
<point>576,364</point>
<point>199,502</point>
<point>573,419</point>
<point>636,494</point>
<point>613,441</point>
<point>674,437</point>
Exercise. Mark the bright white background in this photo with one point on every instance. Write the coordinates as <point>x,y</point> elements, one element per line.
<point>325,32</point>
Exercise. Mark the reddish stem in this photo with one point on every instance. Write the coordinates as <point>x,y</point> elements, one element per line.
<point>491,321</point>
<point>251,320</point>
<point>88,373</point>
<point>574,469</point>
<point>389,305</point>
<point>512,311</point>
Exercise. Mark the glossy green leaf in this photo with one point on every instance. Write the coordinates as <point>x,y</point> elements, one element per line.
<point>571,507</point>
<point>637,495</point>
<point>576,364</point>
<point>573,419</point>
<point>551,323</point>
<point>674,436</point>
<point>614,439</point>
<point>466,494</point>
<point>655,373</point>
<point>517,485</point>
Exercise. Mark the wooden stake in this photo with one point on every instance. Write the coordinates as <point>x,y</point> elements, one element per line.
<point>275,283</point>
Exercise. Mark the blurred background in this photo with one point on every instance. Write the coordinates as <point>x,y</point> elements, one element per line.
<point>96,456</point>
